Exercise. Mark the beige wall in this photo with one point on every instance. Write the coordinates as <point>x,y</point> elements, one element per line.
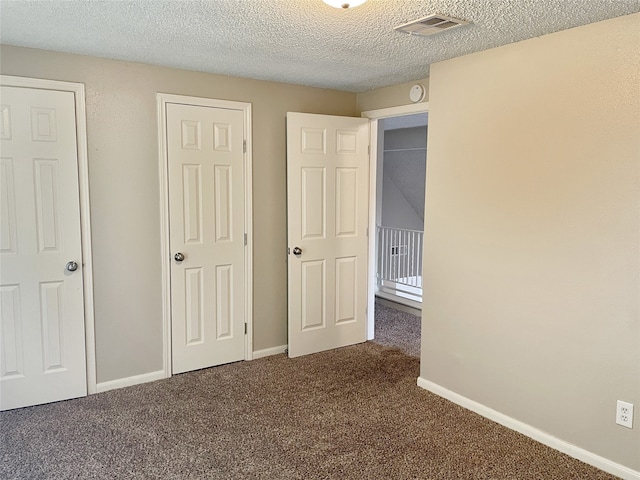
<point>532,233</point>
<point>393,96</point>
<point>124,192</point>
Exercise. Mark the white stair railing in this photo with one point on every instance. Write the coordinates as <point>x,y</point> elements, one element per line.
<point>399,266</point>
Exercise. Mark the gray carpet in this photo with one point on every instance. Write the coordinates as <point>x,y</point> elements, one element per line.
<point>397,329</point>
<point>352,413</point>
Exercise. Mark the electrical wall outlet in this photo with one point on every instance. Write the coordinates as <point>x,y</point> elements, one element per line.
<point>624,414</point>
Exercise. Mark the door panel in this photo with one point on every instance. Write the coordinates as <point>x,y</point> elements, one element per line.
<point>313,294</point>
<point>327,205</point>
<point>313,202</point>
<point>346,287</point>
<point>206,211</point>
<point>41,302</point>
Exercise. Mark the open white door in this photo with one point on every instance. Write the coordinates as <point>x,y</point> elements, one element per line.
<point>327,206</point>
<point>42,336</point>
<point>206,209</point>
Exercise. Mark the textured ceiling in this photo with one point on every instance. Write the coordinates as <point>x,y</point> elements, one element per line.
<point>294,41</point>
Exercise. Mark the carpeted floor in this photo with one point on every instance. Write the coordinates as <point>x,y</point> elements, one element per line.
<point>351,413</point>
<point>397,329</point>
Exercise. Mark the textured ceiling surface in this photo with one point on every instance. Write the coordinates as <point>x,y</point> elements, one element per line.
<point>294,41</point>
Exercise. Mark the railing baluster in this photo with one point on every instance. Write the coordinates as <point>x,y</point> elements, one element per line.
<point>396,244</point>
<point>410,261</point>
<point>380,267</point>
<point>385,252</point>
<point>405,274</point>
<point>400,261</point>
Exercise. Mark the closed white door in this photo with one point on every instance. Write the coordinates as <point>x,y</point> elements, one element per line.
<point>206,216</point>
<point>41,296</point>
<point>327,205</point>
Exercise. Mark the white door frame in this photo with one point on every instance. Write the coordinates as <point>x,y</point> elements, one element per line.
<point>374,116</point>
<point>85,214</point>
<point>162,100</point>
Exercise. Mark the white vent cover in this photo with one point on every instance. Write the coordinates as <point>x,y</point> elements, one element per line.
<point>430,25</point>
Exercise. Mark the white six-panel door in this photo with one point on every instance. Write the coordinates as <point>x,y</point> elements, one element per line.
<point>206,235</point>
<point>327,206</point>
<point>41,294</point>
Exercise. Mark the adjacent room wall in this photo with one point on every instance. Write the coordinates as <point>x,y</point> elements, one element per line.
<point>532,233</point>
<point>397,212</point>
<point>124,192</point>
<point>404,173</point>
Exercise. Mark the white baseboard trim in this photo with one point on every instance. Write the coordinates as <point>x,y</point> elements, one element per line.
<point>267,352</point>
<point>129,381</point>
<point>532,432</point>
<point>398,299</point>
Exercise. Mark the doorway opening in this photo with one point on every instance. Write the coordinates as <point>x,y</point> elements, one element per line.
<point>401,171</point>
<point>397,223</point>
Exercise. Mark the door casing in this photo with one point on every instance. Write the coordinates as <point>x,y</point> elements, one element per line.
<point>85,214</point>
<point>162,100</point>
<point>375,116</point>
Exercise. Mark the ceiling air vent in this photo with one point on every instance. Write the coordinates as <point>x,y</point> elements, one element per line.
<point>430,25</point>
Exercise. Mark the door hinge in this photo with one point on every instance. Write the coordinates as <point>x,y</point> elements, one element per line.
<point>244,146</point>
<point>368,149</point>
<point>245,328</point>
<point>367,231</point>
<point>245,239</point>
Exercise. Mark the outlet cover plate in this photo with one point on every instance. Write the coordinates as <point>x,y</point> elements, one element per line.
<point>624,414</point>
